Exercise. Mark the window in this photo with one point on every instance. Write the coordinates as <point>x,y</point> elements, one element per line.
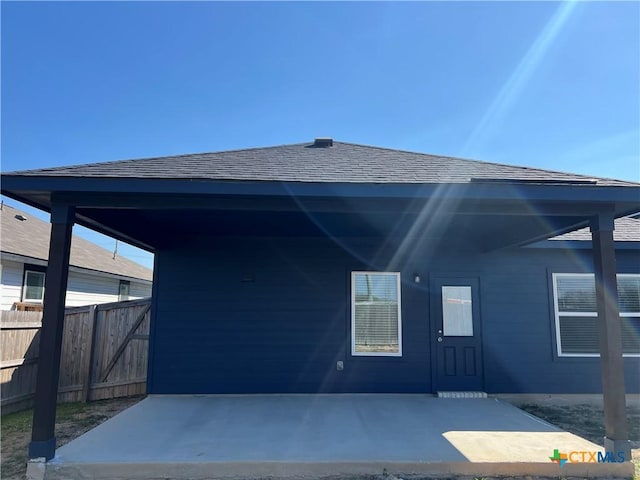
<point>576,314</point>
<point>376,327</point>
<point>457,316</point>
<point>123,290</point>
<point>33,288</point>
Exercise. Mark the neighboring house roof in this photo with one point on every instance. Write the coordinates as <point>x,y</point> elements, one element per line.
<point>30,238</point>
<point>307,162</point>
<point>626,230</point>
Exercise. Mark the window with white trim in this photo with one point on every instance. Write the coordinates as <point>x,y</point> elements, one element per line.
<point>376,325</point>
<point>576,314</point>
<point>33,288</point>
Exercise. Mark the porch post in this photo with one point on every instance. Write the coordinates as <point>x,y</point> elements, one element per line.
<point>609,328</point>
<point>43,441</point>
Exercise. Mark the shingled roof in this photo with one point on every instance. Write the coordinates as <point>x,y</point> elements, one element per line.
<point>305,162</point>
<point>626,230</point>
<point>30,238</point>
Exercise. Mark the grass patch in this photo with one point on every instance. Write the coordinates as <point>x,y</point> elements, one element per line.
<point>586,421</point>
<point>16,422</point>
<point>72,420</point>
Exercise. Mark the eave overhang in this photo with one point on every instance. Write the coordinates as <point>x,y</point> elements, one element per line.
<point>580,245</point>
<point>508,213</point>
<point>31,185</point>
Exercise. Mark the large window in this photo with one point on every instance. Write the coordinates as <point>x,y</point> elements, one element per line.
<point>376,326</point>
<point>33,288</point>
<point>576,314</point>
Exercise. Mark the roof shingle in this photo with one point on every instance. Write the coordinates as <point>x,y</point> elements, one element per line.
<point>341,163</point>
<point>626,230</point>
<point>30,238</point>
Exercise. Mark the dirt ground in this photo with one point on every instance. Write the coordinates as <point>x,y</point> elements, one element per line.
<point>587,421</point>
<point>74,419</point>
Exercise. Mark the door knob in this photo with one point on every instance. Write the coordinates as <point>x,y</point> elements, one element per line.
<point>439,339</point>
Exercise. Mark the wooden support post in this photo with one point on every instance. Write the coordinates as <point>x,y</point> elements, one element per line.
<point>43,441</point>
<point>610,333</point>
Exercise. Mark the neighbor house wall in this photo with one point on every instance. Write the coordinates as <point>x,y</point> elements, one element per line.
<point>10,283</point>
<point>93,288</point>
<point>83,288</point>
<point>273,315</point>
<point>139,289</point>
<point>86,289</point>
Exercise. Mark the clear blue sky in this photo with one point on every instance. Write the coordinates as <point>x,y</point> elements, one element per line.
<point>549,85</point>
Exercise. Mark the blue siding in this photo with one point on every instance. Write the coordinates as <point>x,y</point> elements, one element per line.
<point>272,315</point>
<point>520,348</point>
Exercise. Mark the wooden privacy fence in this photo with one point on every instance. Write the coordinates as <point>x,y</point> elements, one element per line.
<point>104,353</point>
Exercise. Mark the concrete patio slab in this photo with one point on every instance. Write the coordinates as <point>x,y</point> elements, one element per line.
<point>312,436</point>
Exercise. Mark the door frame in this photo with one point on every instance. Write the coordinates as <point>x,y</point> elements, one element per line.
<point>434,311</point>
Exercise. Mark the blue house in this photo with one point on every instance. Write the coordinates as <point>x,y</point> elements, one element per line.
<point>334,267</point>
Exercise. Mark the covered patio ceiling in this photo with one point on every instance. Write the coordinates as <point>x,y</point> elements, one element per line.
<point>159,228</point>
<point>477,216</point>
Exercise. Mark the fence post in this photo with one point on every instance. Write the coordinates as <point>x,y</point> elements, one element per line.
<point>88,365</point>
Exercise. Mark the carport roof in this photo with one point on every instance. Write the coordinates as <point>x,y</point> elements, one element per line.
<point>305,162</point>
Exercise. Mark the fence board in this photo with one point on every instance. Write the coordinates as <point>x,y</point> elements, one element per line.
<point>86,365</point>
<point>92,336</point>
<point>125,343</point>
<point>20,325</point>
